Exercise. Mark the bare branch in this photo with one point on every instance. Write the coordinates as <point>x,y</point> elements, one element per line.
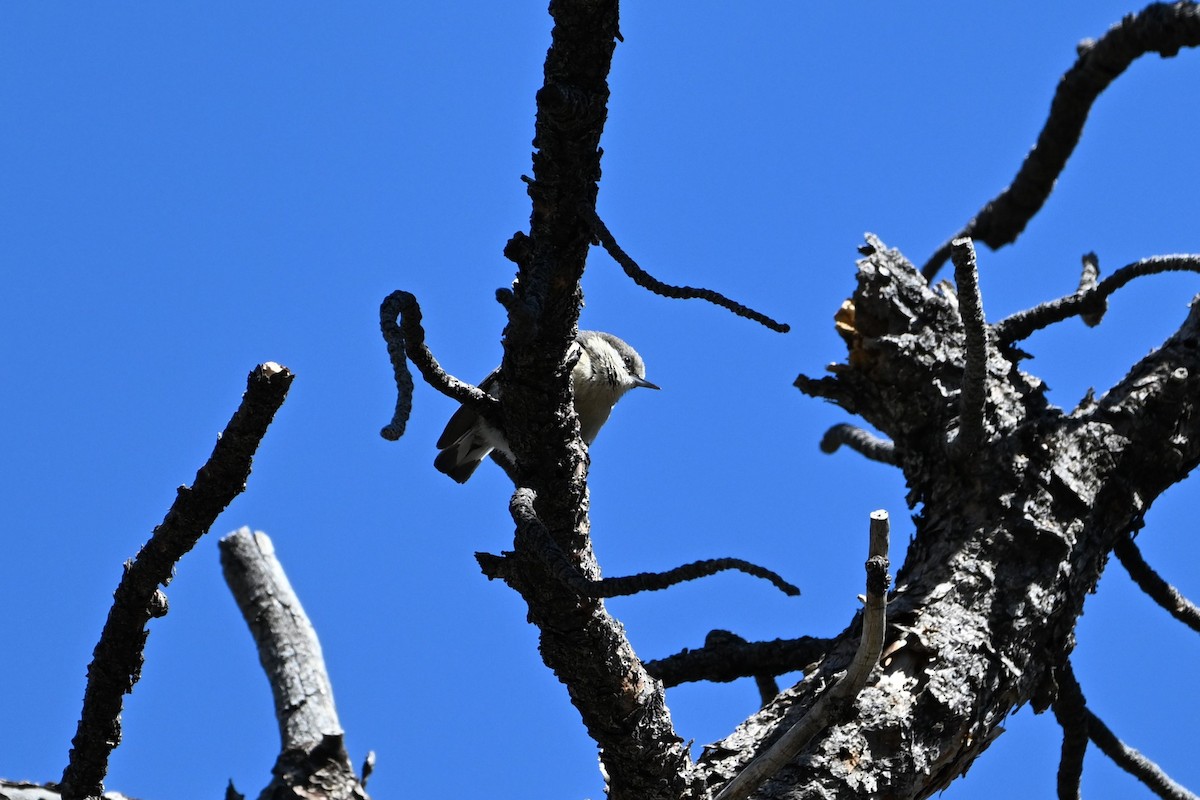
<point>655,581</point>
<point>1159,590</point>
<point>1071,713</point>
<point>1025,323</point>
<point>622,708</point>
<point>838,699</point>
<point>726,657</point>
<point>861,441</point>
<point>1133,762</point>
<point>1161,28</point>
<point>117,660</point>
<point>312,752</point>
<point>406,340</point>
<point>648,281</point>
<point>531,529</point>
<point>973,396</point>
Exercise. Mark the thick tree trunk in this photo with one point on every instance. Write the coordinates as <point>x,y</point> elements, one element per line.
<point>1009,538</point>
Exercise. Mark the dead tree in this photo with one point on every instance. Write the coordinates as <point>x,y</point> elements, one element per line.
<point>1021,502</point>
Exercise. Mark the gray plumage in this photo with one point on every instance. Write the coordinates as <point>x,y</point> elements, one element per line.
<point>607,368</point>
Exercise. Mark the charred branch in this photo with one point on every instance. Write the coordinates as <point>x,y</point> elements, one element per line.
<point>117,660</point>
<point>533,536</point>
<point>861,441</point>
<point>621,706</point>
<point>1005,557</point>
<point>973,396</point>
<point>406,340</point>
<point>1127,758</point>
<point>1152,584</point>
<point>1162,28</point>
<point>648,281</point>
<point>1071,713</point>
<point>727,657</point>
<point>1089,303</point>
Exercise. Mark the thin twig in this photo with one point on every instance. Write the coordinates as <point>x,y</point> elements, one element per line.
<point>728,658</point>
<point>1070,711</point>
<point>648,281</point>
<point>530,530</point>
<point>655,581</point>
<point>861,441</point>
<point>1133,762</point>
<point>406,340</point>
<point>838,699</point>
<point>117,660</point>
<point>312,755</point>
<point>973,396</point>
<point>1024,323</point>
<point>1152,584</point>
<point>1161,28</point>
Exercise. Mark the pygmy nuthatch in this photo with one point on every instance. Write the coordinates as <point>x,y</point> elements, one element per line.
<point>607,368</point>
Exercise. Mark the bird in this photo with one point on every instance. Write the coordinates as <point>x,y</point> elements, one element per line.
<point>607,368</point>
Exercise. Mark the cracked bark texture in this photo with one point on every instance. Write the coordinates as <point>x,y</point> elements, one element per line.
<point>1009,538</point>
<point>622,707</point>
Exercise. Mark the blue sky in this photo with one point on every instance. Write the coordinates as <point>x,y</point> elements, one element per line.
<point>190,189</point>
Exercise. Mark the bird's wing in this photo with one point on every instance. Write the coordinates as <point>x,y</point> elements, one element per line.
<point>465,418</point>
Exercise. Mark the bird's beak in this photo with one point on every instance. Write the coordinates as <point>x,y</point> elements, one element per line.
<point>644,384</point>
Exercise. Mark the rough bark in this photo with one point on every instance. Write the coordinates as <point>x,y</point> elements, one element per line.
<point>1009,538</point>
<point>622,707</point>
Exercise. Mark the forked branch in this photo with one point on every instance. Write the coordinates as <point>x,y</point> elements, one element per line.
<point>1088,302</point>
<point>1150,774</point>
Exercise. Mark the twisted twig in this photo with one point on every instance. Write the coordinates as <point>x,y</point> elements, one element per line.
<point>648,281</point>
<point>407,339</point>
<point>1161,28</point>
